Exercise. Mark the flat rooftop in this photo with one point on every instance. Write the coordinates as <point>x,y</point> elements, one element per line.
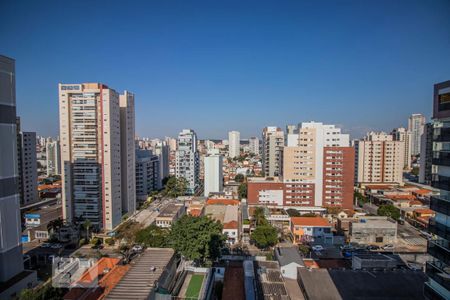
<point>358,284</point>
<point>140,281</point>
<point>170,210</point>
<point>264,180</point>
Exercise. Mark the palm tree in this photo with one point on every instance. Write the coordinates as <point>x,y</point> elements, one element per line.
<point>87,225</point>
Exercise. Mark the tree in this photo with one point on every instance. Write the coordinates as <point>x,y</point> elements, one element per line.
<point>415,171</point>
<point>175,187</point>
<point>54,225</point>
<point>153,236</point>
<point>197,238</point>
<point>293,212</point>
<point>87,225</point>
<point>239,178</point>
<point>390,211</point>
<point>259,216</point>
<point>265,236</point>
<point>360,198</point>
<point>304,249</point>
<point>242,190</point>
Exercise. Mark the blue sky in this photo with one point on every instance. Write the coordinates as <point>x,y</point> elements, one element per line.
<point>216,66</point>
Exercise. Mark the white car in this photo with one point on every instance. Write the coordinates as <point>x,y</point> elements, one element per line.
<point>56,246</point>
<point>137,248</point>
<point>388,247</point>
<point>45,245</point>
<point>318,248</point>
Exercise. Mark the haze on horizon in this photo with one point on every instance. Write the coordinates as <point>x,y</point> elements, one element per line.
<point>232,65</point>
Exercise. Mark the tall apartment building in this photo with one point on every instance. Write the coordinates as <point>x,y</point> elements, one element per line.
<point>272,151</point>
<point>403,135</point>
<point>90,131</point>
<point>161,149</point>
<point>291,135</point>
<point>234,144</point>
<point>187,160</point>
<point>127,152</point>
<point>416,123</point>
<point>11,261</point>
<point>53,157</point>
<point>438,269</point>
<point>379,159</point>
<point>253,145</point>
<point>319,169</point>
<point>147,174</point>
<point>28,181</point>
<point>426,154</point>
<point>213,178</point>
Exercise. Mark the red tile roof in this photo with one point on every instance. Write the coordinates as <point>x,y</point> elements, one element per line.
<point>231,225</point>
<point>223,201</point>
<point>310,221</point>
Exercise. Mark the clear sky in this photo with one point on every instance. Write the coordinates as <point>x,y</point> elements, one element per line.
<point>216,66</point>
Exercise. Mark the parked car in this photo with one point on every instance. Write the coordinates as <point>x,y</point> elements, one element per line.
<point>137,248</point>
<point>388,247</point>
<point>317,248</point>
<point>346,247</point>
<point>45,245</point>
<point>373,247</point>
<point>56,246</point>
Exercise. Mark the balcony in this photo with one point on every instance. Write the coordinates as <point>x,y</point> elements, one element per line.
<point>441,158</point>
<point>438,271</point>
<point>430,293</point>
<point>440,204</point>
<point>439,229</point>
<point>440,182</point>
<point>439,249</point>
<point>441,134</point>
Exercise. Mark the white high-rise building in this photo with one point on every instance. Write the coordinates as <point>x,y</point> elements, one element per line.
<point>11,260</point>
<point>53,152</point>
<point>187,160</point>
<point>403,135</point>
<point>253,145</point>
<point>213,172</point>
<point>234,144</point>
<point>127,152</point>
<point>90,132</point>
<point>416,123</point>
<point>161,149</point>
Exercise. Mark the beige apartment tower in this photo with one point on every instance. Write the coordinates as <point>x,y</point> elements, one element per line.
<point>91,154</point>
<point>379,159</point>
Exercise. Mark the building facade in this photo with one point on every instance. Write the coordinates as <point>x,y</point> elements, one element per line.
<point>53,152</point>
<point>234,144</point>
<point>11,261</point>
<point>253,145</point>
<point>416,123</point>
<point>379,159</point>
<point>161,149</point>
<point>319,169</point>
<point>403,135</point>
<point>213,178</point>
<point>426,154</point>
<point>27,166</point>
<point>127,152</point>
<point>147,174</point>
<point>187,160</point>
<point>437,269</point>
<point>90,134</point>
<point>272,151</point>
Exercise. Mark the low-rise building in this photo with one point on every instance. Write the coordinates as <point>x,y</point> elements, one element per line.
<point>311,230</point>
<point>170,214</point>
<point>373,230</point>
<point>289,259</point>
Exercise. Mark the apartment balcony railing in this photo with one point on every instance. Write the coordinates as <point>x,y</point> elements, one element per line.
<point>441,135</point>
<point>439,249</point>
<point>430,293</point>
<point>440,182</point>
<point>440,204</point>
<point>436,271</point>
<point>439,229</point>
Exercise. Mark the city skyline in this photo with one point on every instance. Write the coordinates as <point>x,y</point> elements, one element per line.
<point>229,57</point>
